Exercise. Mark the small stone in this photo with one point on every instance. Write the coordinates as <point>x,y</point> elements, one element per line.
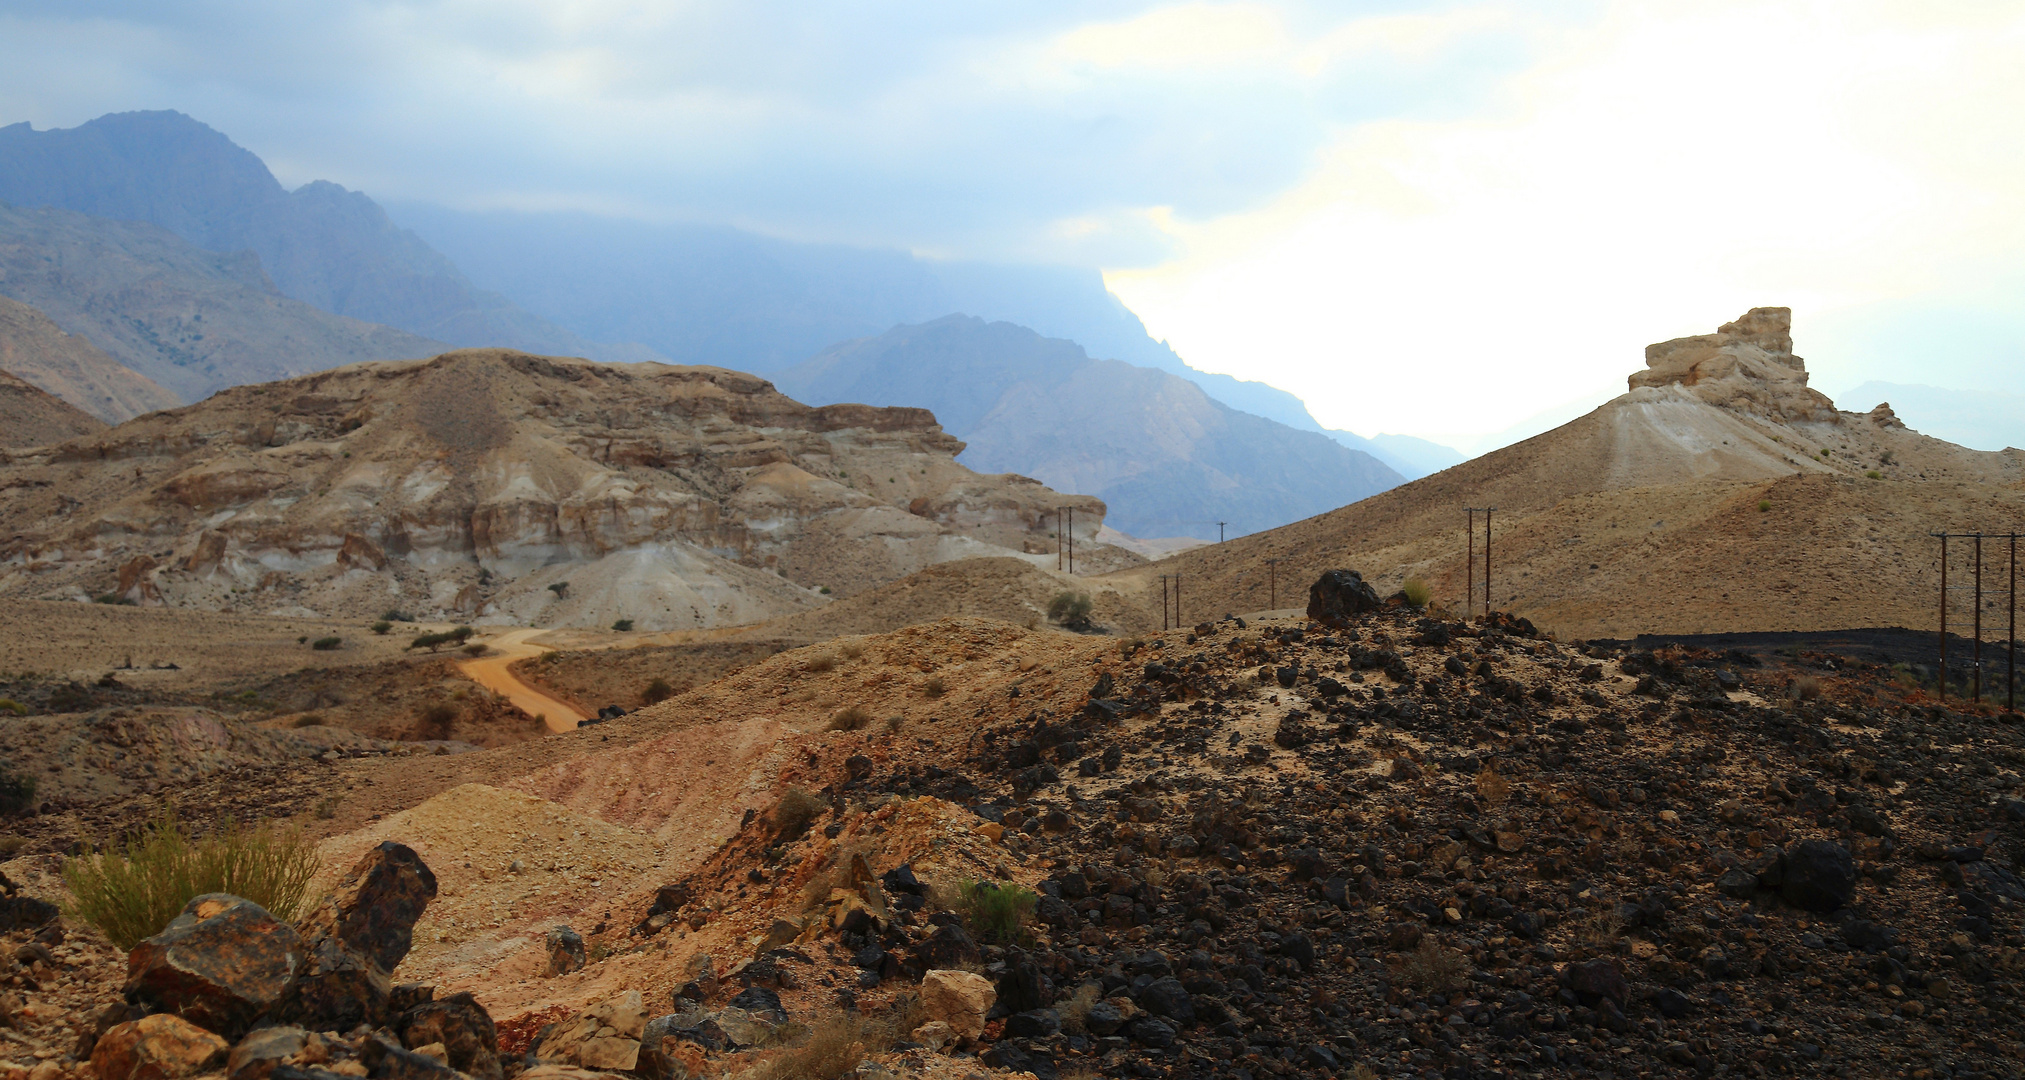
<point>1738,884</point>
<point>1167,997</point>
<point>1597,980</point>
<point>158,1047</point>
<point>566,952</point>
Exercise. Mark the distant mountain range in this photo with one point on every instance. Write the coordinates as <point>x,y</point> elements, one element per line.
<point>178,253</point>
<point>1167,459</point>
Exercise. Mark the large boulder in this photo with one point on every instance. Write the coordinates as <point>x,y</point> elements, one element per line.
<point>668,1052</point>
<point>220,964</point>
<point>355,938</point>
<point>158,1047</point>
<point>464,1029</point>
<point>1339,594</point>
<point>1817,875</point>
<point>604,1036</point>
<point>375,906</point>
<point>959,999</point>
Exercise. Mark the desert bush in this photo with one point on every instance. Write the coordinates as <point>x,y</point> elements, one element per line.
<point>853,650</point>
<point>437,721</point>
<point>11,846</point>
<point>851,718</point>
<point>1431,969</point>
<point>1805,688</point>
<point>795,810</point>
<point>656,692</point>
<point>1076,1008</point>
<point>623,625</point>
<point>1492,788</point>
<point>933,687</point>
<point>382,627</point>
<point>1418,592</point>
<point>112,598</point>
<point>894,724</point>
<point>307,720</point>
<point>836,1047</point>
<point>396,615</point>
<point>326,644</point>
<point>1886,458</point>
<point>432,642</point>
<point>820,662</point>
<point>17,792</point>
<point>1874,475</point>
<point>9,705</point>
<point>1071,609</point>
<point>1764,505</point>
<point>477,648</point>
<point>559,588</point>
<point>996,913</point>
<point>132,889</point>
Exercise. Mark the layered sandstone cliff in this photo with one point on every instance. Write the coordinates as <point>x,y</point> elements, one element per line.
<point>488,484</point>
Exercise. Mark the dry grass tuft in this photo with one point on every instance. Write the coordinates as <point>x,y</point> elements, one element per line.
<point>1492,788</point>
<point>820,662</point>
<point>1432,969</point>
<point>851,718</point>
<point>836,1047</point>
<point>1077,1008</point>
<point>933,687</point>
<point>132,889</point>
<point>795,810</point>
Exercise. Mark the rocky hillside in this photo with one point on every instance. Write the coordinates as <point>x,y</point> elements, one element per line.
<point>192,321</point>
<point>1720,493</point>
<point>30,416</point>
<point>320,244</point>
<point>38,351</point>
<point>498,485</point>
<point>1164,456</point>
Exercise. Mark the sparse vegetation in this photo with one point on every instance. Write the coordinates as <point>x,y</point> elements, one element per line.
<point>17,792</point>
<point>477,648</point>
<point>836,1047</point>
<point>851,718</point>
<point>560,589</point>
<point>894,724</point>
<point>326,644</point>
<point>437,721</point>
<point>396,615</point>
<point>1874,475</point>
<point>1431,968</point>
<point>1886,458</point>
<point>1805,688</point>
<point>113,598</point>
<point>1492,788</point>
<point>1417,591</point>
<point>623,625</point>
<point>11,846</point>
<point>820,662</point>
<point>1764,505</point>
<point>656,692</point>
<point>9,705</point>
<point>307,720</point>
<point>382,627</point>
<point>996,913</point>
<point>933,687</point>
<point>825,590</point>
<point>1071,609</point>
<point>432,642</point>
<point>1076,1008</point>
<point>852,650</point>
<point>131,889</point>
<point>795,810</point>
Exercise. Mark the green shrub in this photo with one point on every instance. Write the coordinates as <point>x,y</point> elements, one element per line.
<point>326,644</point>
<point>112,598</point>
<point>996,913</point>
<point>623,625</point>
<point>1417,591</point>
<point>1764,505</point>
<point>9,705</point>
<point>432,642</point>
<point>477,648</point>
<point>396,615</point>
<point>1071,609</point>
<point>656,692</point>
<point>1874,475</point>
<point>133,888</point>
<point>17,792</point>
<point>382,627</point>
<point>437,721</point>
<point>462,633</point>
<point>559,588</point>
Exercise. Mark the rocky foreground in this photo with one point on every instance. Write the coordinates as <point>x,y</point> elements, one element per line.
<point>1367,841</point>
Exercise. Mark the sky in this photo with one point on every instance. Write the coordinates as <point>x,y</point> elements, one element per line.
<point>1430,218</point>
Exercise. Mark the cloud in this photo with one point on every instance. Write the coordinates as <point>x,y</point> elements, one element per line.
<point>1654,174</point>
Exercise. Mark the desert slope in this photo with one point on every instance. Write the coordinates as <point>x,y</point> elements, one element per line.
<point>1644,515</point>
<point>31,417</point>
<point>35,349</point>
<point>499,486</point>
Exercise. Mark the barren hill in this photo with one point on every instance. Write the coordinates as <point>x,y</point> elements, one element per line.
<point>1719,493</point>
<point>497,485</point>
<point>1163,455</point>
<point>37,350</point>
<point>29,416</point>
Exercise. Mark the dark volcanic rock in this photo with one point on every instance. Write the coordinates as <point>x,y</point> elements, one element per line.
<point>376,905</point>
<point>1817,875</point>
<point>1339,594</point>
<point>462,1026</point>
<point>220,964</point>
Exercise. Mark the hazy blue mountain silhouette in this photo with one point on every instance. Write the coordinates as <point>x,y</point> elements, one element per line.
<point>1168,459</point>
<point>320,244</point>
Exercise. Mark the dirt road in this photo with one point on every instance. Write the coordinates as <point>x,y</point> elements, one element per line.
<point>493,673</point>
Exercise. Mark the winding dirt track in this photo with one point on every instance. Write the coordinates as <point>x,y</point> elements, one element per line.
<point>494,673</point>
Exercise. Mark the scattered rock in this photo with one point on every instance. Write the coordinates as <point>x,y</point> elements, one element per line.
<point>158,1047</point>
<point>959,999</point>
<point>220,964</point>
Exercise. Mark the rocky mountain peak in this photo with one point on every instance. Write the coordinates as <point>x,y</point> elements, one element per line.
<point>1747,364</point>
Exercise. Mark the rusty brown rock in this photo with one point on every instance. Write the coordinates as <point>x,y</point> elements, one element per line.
<point>158,1047</point>
<point>376,905</point>
<point>462,1026</point>
<point>220,964</point>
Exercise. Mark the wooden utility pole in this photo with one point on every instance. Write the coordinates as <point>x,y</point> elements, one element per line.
<point>1272,585</point>
<point>1219,530</point>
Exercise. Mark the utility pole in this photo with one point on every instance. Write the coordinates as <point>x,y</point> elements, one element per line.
<point>2011,679</point>
<point>1219,530</point>
<point>1058,538</point>
<point>1272,585</point>
<point>1163,601</point>
<point>1944,617</point>
<point>1472,511</point>
<point>1177,602</point>
<point>1976,673</point>
<point>1470,561</point>
<point>1072,539</point>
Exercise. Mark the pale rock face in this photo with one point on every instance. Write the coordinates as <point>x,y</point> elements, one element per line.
<point>464,486</point>
<point>959,999</point>
<point>1747,365</point>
